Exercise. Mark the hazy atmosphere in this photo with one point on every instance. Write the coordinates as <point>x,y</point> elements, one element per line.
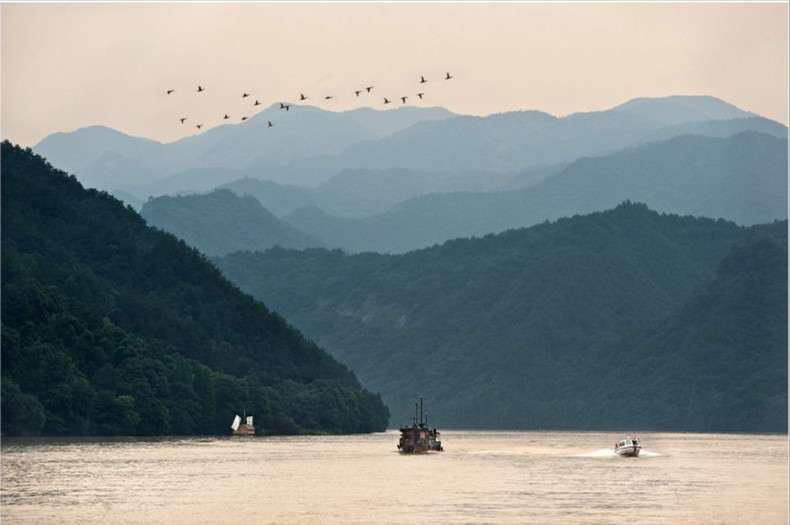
<point>249,246</point>
<point>67,66</point>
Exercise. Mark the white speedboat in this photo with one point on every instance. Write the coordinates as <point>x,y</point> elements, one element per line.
<point>629,447</point>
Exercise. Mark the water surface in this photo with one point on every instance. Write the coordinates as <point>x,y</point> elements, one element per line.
<point>481,477</point>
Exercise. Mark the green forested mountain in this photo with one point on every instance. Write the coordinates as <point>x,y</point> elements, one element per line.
<point>554,326</point>
<point>222,222</point>
<point>112,327</point>
<point>726,347</point>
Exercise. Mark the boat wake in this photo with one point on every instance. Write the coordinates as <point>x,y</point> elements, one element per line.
<point>600,453</point>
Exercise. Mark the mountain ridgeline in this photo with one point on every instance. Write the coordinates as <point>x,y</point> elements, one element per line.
<point>220,223</point>
<point>308,146</point>
<point>110,327</point>
<point>429,265</point>
<point>619,319</point>
<point>400,180</point>
<point>742,178</point>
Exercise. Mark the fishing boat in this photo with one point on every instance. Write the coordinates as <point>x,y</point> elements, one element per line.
<point>628,447</point>
<point>419,438</point>
<point>243,429</point>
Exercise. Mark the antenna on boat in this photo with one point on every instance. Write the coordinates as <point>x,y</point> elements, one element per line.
<point>415,413</point>
<point>420,410</point>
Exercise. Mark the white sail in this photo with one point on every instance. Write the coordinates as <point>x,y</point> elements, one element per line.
<point>249,421</point>
<point>236,422</point>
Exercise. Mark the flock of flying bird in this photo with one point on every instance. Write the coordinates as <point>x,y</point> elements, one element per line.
<point>302,98</point>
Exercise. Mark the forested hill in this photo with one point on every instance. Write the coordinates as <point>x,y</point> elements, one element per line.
<point>221,222</point>
<point>618,319</point>
<point>110,327</point>
<point>727,347</point>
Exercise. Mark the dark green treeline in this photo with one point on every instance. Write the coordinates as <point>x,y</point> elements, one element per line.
<point>110,327</point>
<point>624,319</point>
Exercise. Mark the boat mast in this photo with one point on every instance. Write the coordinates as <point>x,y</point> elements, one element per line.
<point>420,410</point>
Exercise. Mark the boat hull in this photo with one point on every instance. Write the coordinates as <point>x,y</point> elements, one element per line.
<point>244,430</point>
<point>419,440</point>
<point>629,451</point>
<point>419,449</point>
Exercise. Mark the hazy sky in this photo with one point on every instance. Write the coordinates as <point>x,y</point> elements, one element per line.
<point>66,66</point>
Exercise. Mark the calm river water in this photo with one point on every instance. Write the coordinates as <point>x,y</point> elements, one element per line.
<point>481,477</point>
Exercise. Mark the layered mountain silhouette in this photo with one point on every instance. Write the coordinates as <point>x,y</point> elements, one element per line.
<point>106,159</point>
<point>742,178</point>
<point>311,145</point>
<point>221,222</point>
<point>363,192</point>
<point>502,290</point>
<point>619,319</point>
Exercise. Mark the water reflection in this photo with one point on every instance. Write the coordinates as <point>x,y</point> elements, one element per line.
<point>491,477</point>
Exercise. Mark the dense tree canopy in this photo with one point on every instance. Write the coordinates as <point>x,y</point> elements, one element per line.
<point>112,327</point>
<point>557,325</point>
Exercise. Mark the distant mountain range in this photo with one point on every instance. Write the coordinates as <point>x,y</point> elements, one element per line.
<point>618,319</point>
<point>109,160</point>
<point>393,181</point>
<point>220,223</point>
<point>742,178</point>
<point>362,192</point>
<point>308,146</point>
<point>532,272</point>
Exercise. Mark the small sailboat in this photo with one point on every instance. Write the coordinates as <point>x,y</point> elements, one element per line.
<point>243,429</point>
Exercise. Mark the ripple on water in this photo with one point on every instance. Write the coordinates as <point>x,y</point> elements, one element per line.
<point>497,478</point>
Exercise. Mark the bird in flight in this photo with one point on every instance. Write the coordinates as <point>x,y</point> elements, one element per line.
<point>386,101</point>
<point>422,80</point>
<point>357,92</point>
<point>245,95</point>
<point>286,107</point>
<point>183,119</point>
<point>328,97</point>
<point>200,88</point>
<point>368,88</point>
<point>302,97</point>
<point>270,123</point>
<point>404,99</point>
<point>448,77</point>
<point>225,117</point>
<point>244,118</point>
<point>420,95</point>
<point>257,103</point>
<point>198,126</point>
<point>170,91</point>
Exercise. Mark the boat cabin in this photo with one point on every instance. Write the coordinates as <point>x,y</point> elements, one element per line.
<point>418,437</point>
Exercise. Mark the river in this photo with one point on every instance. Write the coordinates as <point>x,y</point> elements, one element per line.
<point>480,478</point>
